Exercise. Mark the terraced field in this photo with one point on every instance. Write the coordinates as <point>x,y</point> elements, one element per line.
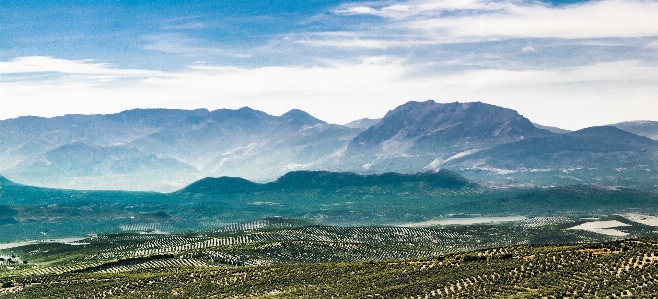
<point>627,268</point>
<point>286,258</point>
<point>279,240</point>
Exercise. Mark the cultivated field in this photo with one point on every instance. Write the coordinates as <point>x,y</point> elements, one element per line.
<point>593,270</point>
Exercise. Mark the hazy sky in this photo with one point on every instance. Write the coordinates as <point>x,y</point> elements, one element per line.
<point>569,64</point>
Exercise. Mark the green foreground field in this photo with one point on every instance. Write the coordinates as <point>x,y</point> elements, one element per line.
<point>282,258</point>
<point>613,269</point>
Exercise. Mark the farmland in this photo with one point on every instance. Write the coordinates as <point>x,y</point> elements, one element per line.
<point>204,267</point>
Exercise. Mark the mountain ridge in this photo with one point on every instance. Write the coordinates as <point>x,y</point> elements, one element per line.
<point>163,149</point>
<point>644,128</point>
<point>166,149</point>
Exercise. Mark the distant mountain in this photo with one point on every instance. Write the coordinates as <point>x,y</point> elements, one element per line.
<point>363,123</point>
<point>590,147</point>
<point>644,128</point>
<point>298,117</point>
<point>597,154</point>
<point>552,129</point>
<point>164,149</point>
<point>421,135</point>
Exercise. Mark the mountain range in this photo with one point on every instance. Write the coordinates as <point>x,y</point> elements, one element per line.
<point>158,149</point>
<point>166,149</point>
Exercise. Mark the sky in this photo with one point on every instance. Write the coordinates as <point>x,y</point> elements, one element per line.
<point>569,64</point>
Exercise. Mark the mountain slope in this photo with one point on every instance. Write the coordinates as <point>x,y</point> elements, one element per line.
<point>591,147</point>
<point>603,155</point>
<point>644,128</point>
<point>552,129</point>
<point>415,134</point>
<point>363,123</point>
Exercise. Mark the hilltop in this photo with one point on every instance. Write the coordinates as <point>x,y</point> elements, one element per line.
<point>331,181</point>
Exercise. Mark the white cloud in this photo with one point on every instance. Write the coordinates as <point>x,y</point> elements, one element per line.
<point>356,10</point>
<point>568,97</point>
<point>40,64</point>
<point>592,20</point>
<point>529,49</point>
<point>354,42</point>
<point>180,44</point>
<point>189,25</point>
<point>408,9</point>
<point>362,40</point>
<point>441,21</point>
<point>652,45</point>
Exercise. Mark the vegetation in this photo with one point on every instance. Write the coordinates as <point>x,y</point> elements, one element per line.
<point>31,213</point>
<point>591,270</point>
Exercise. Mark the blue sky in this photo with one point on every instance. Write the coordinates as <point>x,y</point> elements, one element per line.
<point>570,64</point>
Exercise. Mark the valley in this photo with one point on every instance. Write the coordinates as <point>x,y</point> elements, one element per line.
<point>311,197</point>
<point>308,234</point>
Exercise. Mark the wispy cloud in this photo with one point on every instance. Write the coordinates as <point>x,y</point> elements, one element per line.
<point>408,9</point>
<point>351,40</point>
<point>529,49</point>
<point>652,44</point>
<point>181,44</point>
<point>440,21</point>
<point>591,20</point>
<point>188,25</point>
<point>44,64</point>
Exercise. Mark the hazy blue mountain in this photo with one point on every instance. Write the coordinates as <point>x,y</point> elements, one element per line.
<point>422,135</point>
<point>594,155</point>
<point>363,123</point>
<point>298,117</point>
<point>644,128</point>
<point>164,149</point>
<point>552,129</point>
<point>590,147</point>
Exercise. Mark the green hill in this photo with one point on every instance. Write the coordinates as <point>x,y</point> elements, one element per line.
<point>326,180</point>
